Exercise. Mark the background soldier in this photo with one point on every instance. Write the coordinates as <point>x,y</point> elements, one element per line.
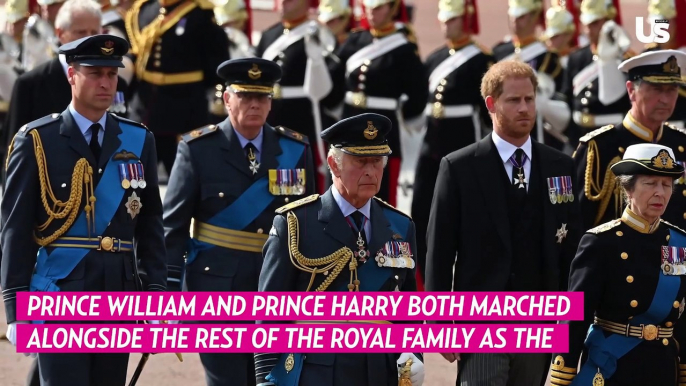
<point>84,146</point>
<point>377,67</point>
<point>260,169</point>
<point>176,48</point>
<point>525,16</point>
<point>346,218</point>
<point>654,78</point>
<point>294,43</point>
<point>338,18</point>
<point>454,114</point>
<point>674,13</point>
<point>593,86</point>
<point>560,32</point>
<point>40,42</point>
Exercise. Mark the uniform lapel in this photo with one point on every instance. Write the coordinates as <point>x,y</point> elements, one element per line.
<point>111,141</point>
<point>77,142</point>
<point>493,187</point>
<point>336,226</point>
<point>381,228</point>
<point>233,152</point>
<point>270,149</point>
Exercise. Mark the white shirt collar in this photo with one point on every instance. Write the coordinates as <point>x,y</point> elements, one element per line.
<point>506,149</point>
<point>347,208</point>
<point>84,123</point>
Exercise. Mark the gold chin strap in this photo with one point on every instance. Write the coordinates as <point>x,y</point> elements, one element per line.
<point>609,187</point>
<point>83,175</point>
<point>330,265</point>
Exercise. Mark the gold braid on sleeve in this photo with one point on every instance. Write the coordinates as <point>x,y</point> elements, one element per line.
<point>593,189</point>
<point>82,178</point>
<point>333,263</point>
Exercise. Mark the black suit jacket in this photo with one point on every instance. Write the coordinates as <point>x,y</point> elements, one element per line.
<point>469,226</point>
<point>22,210</point>
<point>210,173</point>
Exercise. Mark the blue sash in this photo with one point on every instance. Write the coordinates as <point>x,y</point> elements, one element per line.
<point>252,202</point>
<point>603,352</point>
<point>371,277</point>
<point>61,261</point>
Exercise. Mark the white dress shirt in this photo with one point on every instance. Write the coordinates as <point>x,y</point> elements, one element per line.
<point>84,125</point>
<point>507,150</point>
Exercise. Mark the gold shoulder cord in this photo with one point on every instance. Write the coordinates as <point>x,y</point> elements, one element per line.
<point>333,263</point>
<point>83,174</point>
<point>609,187</point>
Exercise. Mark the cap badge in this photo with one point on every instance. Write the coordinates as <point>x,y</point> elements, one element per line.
<point>254,72</point>
<point>109,48</point>
<point>370,132</point>
<point>671,66</point>
<point>662,160</point>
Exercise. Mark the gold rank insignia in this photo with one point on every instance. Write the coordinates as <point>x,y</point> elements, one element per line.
<point>254,72</point>
<point>663,161</point>
<point>370,132</point>
<point>670,66</point>
<point>195,133</point>
<point>108,49</point>
<point>290,363</point>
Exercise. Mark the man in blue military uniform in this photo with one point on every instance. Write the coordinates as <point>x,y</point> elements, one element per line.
<point>354,242</point>
<point>81,203</point>
<point>229,178</point>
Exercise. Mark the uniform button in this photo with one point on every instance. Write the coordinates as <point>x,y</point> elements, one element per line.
<point>629,279</point>
<point>439,97</point>
<point>279,63</point>
<point>367,62</point>
<point>221,194</point>
<point>260,230</point>
<point>595,57</point>
<point>440,89</point>
<point>668,324</point>
<point>361,86</point>
<point>667,237</point>
<point>363,69</point>
<point>100,171</point>
<point>443,82</point>
<point>624,255</point>
<point>685,215</point>
<point>396,277</point>
<point>158,47</point>
<point>157,55</point>
<point>452,51</point>
<point>621,149</point>
<point>163,11</point>
<point>219,87</point>
<point>160,16</point>
<point>587,94</point>
<point>665,341</point>
<point>620,233</point>
<point>282,55</point>
<point>64,185</point>
<point>684,192</point>
<point>286,199</point>
<point>634,303</point>
<point>362,77</point>
<point>207,268</point>
<point>157,63</point>
<point>676,304</point>
<point>584,101</point>
<point>681,149</point>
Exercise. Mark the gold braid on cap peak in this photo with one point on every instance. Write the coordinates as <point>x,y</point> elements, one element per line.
<point>82,175</point>
<point>609,187</point>
<point>332,264</point>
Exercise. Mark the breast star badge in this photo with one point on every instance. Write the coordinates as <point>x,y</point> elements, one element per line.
<point>561,233</point>
<point>133,206</point>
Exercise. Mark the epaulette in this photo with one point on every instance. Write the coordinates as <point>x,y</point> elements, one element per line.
<point>389,206</point>
<point>679,129</point>
<point>604,227</point>
<point>197,133</point>
<point>38,123</point>
<point>292,134</point>
<point>126,120</point>
<point>595,133</point>
<point>295,204</point>
<point>673,226</point>
<point>408,30</point>
<point>629,54</point>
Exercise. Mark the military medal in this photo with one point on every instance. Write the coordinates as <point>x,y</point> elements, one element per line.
<point>395,254</point>
<point>254,165</point>
<point>552,190</point>
<point>141,176</point>
<point>571,189</point>
<point>565,196</point>
<point>673,260</point>
<point>598,379</point>
<point>133,205</point>
<point>520,180</point>
<point>134,177</point>
<point>361,252</point>
<point>123,176</point>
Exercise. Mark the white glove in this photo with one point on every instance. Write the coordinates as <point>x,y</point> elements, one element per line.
<point>313,47</point>
<point>12,336</point>
<point>613,41</point>
<point>416,370</point>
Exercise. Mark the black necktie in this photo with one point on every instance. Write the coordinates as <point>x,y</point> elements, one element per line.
<point>519,180</point>
<point>94,144</point>
<point>358,217</point>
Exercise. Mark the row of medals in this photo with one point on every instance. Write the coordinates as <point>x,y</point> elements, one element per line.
<point>137,181</point>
